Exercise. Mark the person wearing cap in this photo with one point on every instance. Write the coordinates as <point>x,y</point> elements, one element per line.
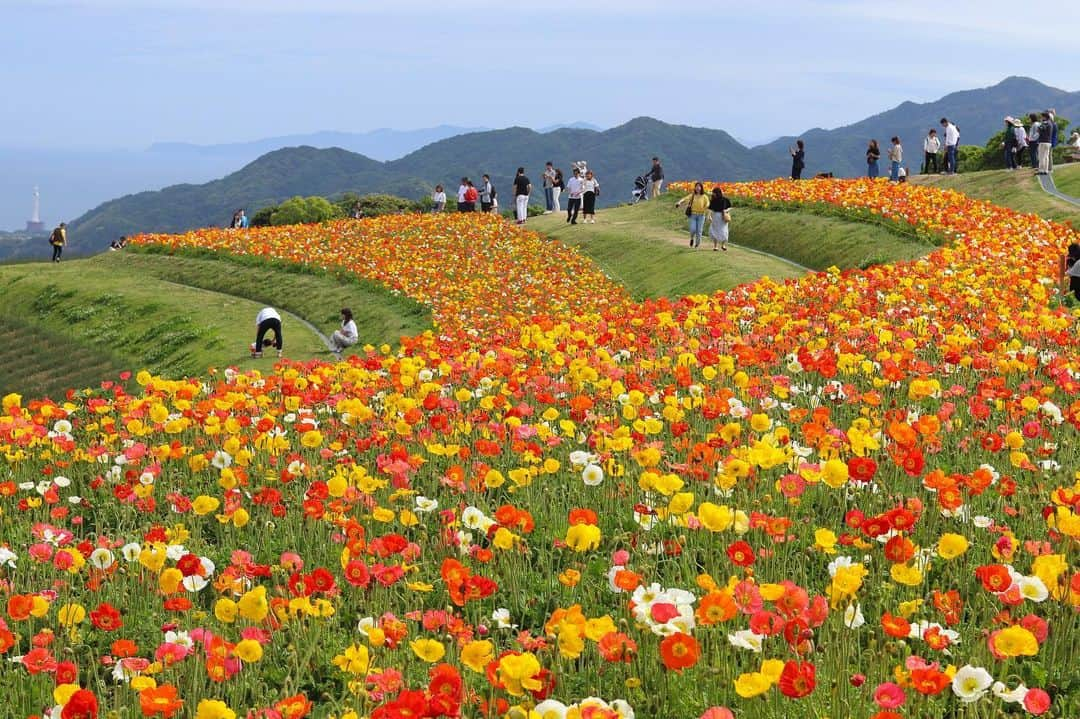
<point>1010,145</point>
<point>1045,144</point>
<point>58,239</point>
<point>1020,134</point>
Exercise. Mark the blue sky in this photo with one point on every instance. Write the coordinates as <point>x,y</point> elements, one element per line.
<point>125,73</point>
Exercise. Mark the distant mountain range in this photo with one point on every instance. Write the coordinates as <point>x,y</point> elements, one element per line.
<point>72,181</point>
<point>617,155</point>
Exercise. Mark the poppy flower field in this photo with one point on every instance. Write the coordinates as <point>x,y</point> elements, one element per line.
<point>854,494</point>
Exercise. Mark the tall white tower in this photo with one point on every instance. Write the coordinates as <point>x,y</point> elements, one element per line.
<point>34,224</point>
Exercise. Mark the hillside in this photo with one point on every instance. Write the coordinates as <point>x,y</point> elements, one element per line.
<point>66,325</point>
<point>978,113</point>
<point>272,178</point>
<point>1018,190</point>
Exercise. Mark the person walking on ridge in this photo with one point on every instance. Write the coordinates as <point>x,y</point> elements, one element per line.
<point>798,160</point>
<point>268,320</point>
<point>574,188</point>
<point>549,188</point>
<point>720,218</point>
<point>896,156</point>
<point>522,190</point>
<point>695,212</point>
<point>931,146</point>
<point>873,154</point>
<point>656,178</point>
<point>58,239</point>
<point>556,190</point>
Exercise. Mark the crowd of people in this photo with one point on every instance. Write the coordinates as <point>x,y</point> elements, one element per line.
<point>581,189</point>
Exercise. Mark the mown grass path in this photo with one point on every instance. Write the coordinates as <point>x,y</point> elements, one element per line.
<point>646,246</point>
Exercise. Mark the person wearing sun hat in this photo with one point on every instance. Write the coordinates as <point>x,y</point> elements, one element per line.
<point>1016,127</point>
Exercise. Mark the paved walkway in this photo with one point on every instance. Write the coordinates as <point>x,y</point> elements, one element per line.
<point>1047,183</point>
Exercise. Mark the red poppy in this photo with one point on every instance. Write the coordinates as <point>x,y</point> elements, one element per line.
<point>741,553</point>
<point>106,617</point>
<point>797,679</point>
<point>895,626</point>
<point>82,705</point>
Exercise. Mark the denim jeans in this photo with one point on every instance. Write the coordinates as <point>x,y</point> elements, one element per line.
<point>894,171</point>
<point>1010,158</point>
<point>549,198</point>
<point>872,169</point>
<point>697,226</point>
<point>950,158</point>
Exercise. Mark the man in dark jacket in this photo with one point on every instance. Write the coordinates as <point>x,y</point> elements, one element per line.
<point>656,178</point>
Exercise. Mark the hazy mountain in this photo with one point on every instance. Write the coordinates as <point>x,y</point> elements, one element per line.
<point>978,113</point>
<point>571,126</point>
<point>383,144</point>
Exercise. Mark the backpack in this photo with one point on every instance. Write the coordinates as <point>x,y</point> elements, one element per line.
<point>471,194</point>
<point>494,194</point>
<point>55,238</point>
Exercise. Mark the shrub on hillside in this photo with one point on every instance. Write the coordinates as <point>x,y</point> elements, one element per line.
<point>378,204</point>
<point>304,210</point>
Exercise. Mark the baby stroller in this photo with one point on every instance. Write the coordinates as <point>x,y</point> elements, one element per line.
<point>641,185</point>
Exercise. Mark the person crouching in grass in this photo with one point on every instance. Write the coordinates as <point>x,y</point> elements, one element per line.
<point>347,335</point>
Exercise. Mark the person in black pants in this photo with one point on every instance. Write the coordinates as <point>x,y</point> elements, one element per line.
<point>268,320</point>
<point>575,187</point>
<point>798,160</point>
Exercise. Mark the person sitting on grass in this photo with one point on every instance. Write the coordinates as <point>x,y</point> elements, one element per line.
<point>268,320</point>
<point>347,335</point>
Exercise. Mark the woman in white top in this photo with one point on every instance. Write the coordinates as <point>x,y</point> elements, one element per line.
<point>347,335</point>
<point>438,199</point>
<point>590,189</point>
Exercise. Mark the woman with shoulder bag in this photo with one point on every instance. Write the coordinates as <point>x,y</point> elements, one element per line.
<point>697,206</point>
<point>720,209</point>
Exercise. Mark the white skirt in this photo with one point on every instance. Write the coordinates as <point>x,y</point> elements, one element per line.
<point>718,230</point>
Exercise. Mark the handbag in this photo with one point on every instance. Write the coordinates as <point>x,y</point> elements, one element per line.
<point>688,206</point>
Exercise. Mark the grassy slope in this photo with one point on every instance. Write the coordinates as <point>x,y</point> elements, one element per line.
<point>1018,190</point>
<point>644,246</point>
<point>176,315</point>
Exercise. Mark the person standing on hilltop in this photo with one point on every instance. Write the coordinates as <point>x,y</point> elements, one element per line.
<point>798,160</point>
<point>574,188</point>
<point>549,188</point>
<point>1033,140</point>
<point>1020,137</point>
<point>896,156</point>
<point>487,192</point>
<point>591,189</point>
<point>556,189</point>
<point>1053,135</point>
<point>471,196</point>
<point>522,190</point>
<point>931,146</point>
<point>1010,145</point>
<point>656,178</point>
<point>461,190</point>
<point>873,154</point>
<point>1045,144</point>
<point>952,142</point>
<point>58,239</point>
<point>438,199</point>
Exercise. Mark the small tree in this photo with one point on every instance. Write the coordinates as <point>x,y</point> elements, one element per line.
<point>304,210</point>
